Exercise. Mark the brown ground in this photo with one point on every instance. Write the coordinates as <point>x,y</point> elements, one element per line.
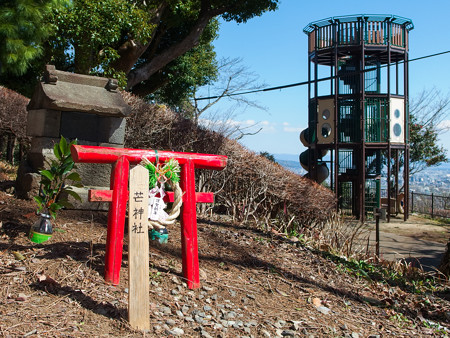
<point>253,284</point>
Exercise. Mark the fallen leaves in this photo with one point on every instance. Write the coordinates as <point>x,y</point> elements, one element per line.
<point>284,294</point>
<point>46,280</point>
<point>21,297</point>
<point>319,307</point>
<point>316,302</point>
<point>18,256</point>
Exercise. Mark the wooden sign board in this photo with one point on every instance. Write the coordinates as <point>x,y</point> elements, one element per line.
<point>138,247</point>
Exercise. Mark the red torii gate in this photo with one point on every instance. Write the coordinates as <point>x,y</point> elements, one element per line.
<point>118,196</point>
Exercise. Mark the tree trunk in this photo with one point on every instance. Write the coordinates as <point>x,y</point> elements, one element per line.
<point>159,61</point>
<point>21,151</point>
<point>2,143</point>
<point>132,49</point>
<point>10,148</point>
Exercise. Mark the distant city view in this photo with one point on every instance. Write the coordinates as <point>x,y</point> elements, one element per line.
<point>434,180</point>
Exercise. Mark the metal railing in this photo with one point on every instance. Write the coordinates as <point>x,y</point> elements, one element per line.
<point>430,204</point>
<point>349,33</point>
<point>376,120</point>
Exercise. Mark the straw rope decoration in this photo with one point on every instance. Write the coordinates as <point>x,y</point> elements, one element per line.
<point>160,174</point>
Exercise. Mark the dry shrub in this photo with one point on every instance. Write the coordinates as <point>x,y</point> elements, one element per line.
<point>341,236</point>
<point>13,112</point>
<point>250,188</point>
<point>13,117</point>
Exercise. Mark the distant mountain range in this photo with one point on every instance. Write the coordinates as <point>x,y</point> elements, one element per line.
<point>290,162</point>
<point>287,157</point>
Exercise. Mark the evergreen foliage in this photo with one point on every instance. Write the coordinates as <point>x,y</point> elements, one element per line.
<point>54,179</point>
<point>24,27</point>
<point>425,150</point>
<point>155,46</point>
<point>90,32</point>
<point>268,155</point>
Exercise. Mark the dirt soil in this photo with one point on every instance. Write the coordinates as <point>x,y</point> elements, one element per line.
<point>253,285</point>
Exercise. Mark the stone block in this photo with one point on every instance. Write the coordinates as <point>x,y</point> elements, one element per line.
<point>43,123</point>
<point>94,174</point>
<point>112,130</point>
<point>87,108</point>
<point>85,204</point>
<point>82,93</point>
<point>41,152</point>
<point>93,128</point>
<point>27,181</point>
<point>110,145</point>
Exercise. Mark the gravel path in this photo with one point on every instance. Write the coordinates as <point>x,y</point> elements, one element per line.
<point>395,247</point>
<point>418,240</point>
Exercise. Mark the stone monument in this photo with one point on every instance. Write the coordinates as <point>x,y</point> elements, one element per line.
<point>87,108</point>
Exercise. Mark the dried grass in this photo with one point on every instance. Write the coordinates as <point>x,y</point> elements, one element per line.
<point>340,236</point>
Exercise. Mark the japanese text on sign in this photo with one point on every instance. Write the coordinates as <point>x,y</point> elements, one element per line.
<point>137,213</point>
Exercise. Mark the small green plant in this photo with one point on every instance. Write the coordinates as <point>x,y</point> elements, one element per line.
<point>399,317</point>
<point>262,239</point>
<point>53,180</point>
<point>156,276</point>
<point>436,327</point>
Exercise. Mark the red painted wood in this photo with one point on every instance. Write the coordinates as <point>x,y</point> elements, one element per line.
<point>189,245</point>
<point>106,196</point>
<point>93,154</point>
<point>116,220</point>
<point>118,195</point>
<point>204,197</point>
<point>100,195</point>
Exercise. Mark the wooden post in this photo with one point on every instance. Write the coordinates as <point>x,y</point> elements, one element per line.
<point>432,205</point>
<point>138,260</point>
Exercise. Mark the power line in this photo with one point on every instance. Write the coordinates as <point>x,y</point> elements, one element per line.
<point>318,80</point>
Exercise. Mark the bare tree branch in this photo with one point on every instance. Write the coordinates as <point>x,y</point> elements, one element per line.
<point>431,107</point>
<point>233,78</point>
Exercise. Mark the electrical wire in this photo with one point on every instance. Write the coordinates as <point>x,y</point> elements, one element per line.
<point>313,81</point>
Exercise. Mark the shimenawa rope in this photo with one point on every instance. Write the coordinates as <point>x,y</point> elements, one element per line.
<point>162,176</point>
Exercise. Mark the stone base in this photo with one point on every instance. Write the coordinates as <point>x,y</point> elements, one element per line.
<point>40,156</point>
<point>27,182</point>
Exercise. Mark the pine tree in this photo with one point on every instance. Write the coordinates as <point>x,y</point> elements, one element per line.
<point>24,26</point>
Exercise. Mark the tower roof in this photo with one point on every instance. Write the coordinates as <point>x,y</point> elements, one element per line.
<point>359,18</point>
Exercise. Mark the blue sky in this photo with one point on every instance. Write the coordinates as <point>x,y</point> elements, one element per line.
<point>275,47</point>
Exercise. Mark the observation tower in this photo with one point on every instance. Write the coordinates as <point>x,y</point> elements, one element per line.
<point>357,135</point>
